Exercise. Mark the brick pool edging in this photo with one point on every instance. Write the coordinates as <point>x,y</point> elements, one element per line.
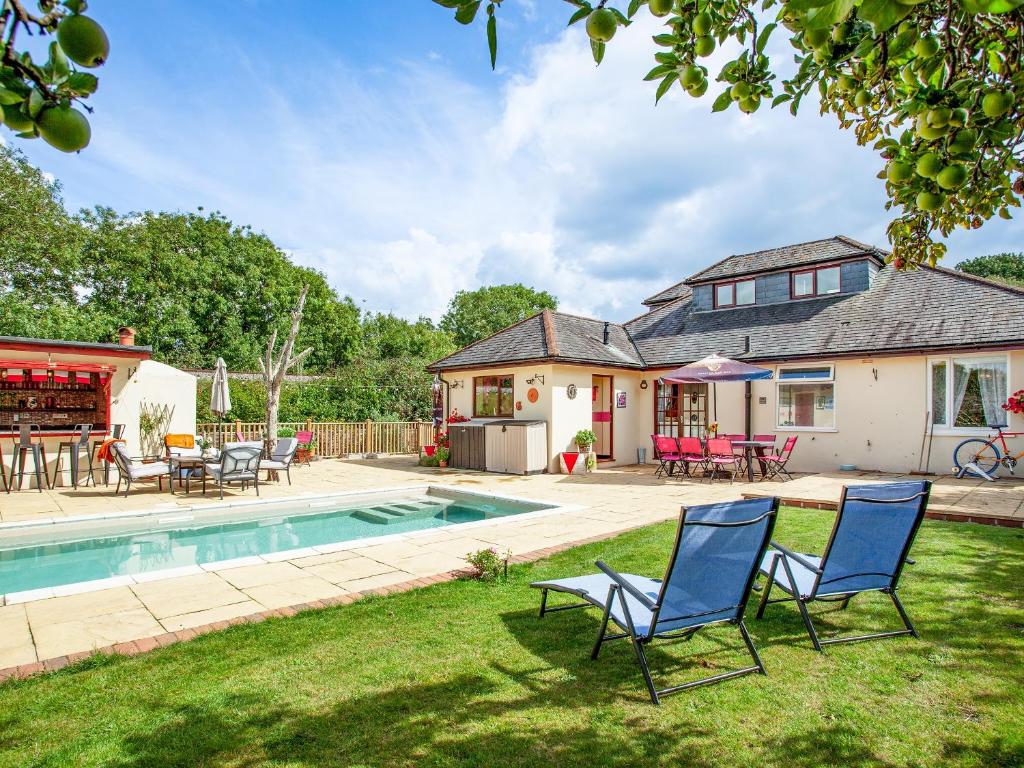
<point>144,645</point>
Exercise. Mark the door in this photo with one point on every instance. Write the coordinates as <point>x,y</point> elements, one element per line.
<point>601,418</point>
<point>803,405</point>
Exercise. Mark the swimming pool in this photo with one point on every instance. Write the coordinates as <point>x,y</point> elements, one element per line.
<point>38,557</point>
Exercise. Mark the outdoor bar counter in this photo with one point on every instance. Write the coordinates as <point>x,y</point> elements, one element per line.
<point>58,385</point>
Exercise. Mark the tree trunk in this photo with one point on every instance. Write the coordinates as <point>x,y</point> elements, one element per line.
<point>274,366</point>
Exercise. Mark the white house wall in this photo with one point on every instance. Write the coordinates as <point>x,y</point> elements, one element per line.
<point>879,425</point>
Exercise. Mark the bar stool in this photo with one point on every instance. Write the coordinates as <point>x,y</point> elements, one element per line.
<point>3,473</point>
<point>76,447</point>
<point>30,440</point>
<point>116,430</point>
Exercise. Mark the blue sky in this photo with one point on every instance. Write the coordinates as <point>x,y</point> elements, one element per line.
<point>372,141</point>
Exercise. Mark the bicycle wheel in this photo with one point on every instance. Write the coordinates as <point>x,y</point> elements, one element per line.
<point>983,453</point>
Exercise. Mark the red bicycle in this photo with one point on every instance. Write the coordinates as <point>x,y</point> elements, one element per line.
<point>988,454</point>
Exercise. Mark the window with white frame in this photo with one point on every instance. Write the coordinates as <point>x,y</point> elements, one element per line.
<point>968,392</point>
<point>806,397</point>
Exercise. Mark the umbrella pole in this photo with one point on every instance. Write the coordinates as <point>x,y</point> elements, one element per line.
<point>714,400</point>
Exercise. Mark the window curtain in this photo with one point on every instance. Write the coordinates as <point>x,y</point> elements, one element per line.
<point>991,383</point>
<point>992,378</point>
<point>961,375</point>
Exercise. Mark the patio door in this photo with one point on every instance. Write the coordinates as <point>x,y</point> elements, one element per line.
<point>601,417</point>
<point>681,410</point>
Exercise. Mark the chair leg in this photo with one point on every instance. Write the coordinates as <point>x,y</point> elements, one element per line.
<point>641,658</point>
<point>903,613</point>
<point>604,623</point>
<point>543,603</point>
<point>808,623</point>
<point>751,648</point>
<point>118,489</point>
<point>288,473</point>
<point>767,588</point>
<point>39,482</point>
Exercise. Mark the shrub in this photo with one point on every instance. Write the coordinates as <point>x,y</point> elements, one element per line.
<point>488,565</point>
<point>585,437</point>
<point>286,432</point>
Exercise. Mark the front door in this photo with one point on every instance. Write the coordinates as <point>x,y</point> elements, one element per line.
<point>601,403</point>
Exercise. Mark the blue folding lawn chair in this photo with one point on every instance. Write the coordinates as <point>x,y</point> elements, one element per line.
<point>709,576</point>
<point>873,532</point>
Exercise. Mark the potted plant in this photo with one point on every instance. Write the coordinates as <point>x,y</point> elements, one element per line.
<point>204,444</point>
<point>712,429</point>
<point>442,456</point>
<point>585,440</point>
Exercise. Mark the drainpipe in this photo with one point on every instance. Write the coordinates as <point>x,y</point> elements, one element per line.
<point>446,401</point>
<point>747,394</point>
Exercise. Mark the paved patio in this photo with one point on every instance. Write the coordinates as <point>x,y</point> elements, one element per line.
<point>136,614</point>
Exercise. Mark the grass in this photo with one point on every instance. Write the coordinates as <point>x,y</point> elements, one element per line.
<point>465,674</point>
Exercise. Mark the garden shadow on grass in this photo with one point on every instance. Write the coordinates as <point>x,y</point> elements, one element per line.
<point>564,641</point>
<point>458,721</point>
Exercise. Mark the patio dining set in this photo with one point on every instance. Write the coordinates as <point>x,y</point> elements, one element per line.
<point>184,460</point>
<point>722,455</point>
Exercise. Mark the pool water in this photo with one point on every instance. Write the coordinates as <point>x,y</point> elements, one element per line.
<point>68,553</point>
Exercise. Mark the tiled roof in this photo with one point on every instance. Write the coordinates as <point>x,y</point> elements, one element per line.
<point>929,308</point>
<point>73,345</point>
<point>902,311</point>
<point>787,256</point>
<point>677,291</point>
<point>550,336</point>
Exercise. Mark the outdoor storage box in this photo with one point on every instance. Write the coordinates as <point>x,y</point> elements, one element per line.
<point>467,446</point>
<point>516,447</point>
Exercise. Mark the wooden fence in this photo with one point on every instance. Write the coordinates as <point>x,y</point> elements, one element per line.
<point>335,438</point>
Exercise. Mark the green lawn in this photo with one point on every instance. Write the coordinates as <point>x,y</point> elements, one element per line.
<point>465,674</point>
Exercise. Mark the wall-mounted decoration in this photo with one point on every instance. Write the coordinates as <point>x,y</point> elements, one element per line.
<point>532,394</point>
<point>570,391</point>
<point>762,400</point>
<point>535,378</point>
<point>643,384</point>
<point>620,399</point>
<point>519,405</point>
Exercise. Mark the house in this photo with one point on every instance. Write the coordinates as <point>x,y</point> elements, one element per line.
<point>872,367</point>
<point>59,384</point>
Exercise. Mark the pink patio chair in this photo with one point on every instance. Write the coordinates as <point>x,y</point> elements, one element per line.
<point>775,463</point>
<point>691,451</point>
<point>304,437</point>
<point>666,451</point>
<point>759,453</point>
<point>722,456</point>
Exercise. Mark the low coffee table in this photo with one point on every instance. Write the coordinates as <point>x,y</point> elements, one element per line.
<point>196,466</point>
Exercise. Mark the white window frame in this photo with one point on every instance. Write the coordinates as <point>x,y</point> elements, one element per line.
<point>830,379</point>
<point>948,428</point>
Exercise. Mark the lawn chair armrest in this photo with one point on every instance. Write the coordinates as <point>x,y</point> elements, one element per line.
<point>799,558</point>
<point>626,586</point>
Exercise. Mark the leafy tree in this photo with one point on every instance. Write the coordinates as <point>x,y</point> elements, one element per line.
<point>476,314</point>
<point>36,98</point>
<point>197,286</point>
<point>38,240</point>
<point>935,86</point>
<point>387,337</point>
<point>1007,267</point>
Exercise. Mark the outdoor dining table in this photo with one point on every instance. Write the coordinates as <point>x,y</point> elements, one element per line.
<point>187,467</point>
<point>752,449</point>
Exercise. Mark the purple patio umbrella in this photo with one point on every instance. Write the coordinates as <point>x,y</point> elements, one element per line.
<point>715,368</point>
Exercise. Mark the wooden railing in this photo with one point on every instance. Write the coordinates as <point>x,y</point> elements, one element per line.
<point>335,438</point>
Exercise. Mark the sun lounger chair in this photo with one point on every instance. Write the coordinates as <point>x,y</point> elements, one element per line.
<point>874,529</point>
<point>710,572</point>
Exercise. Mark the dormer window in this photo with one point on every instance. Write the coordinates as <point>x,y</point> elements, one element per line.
<point>734,294</point>
<point>814,282</point>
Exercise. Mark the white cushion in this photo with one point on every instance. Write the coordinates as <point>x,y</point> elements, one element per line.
<point>271,464</point>
<point>139,471</point>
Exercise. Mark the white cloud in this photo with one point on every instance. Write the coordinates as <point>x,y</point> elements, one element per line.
<point>407,183</point>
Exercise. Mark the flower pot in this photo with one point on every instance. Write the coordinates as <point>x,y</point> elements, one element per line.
<point>572,463</point>
<point>584,448</point>
<point>442,464</point>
